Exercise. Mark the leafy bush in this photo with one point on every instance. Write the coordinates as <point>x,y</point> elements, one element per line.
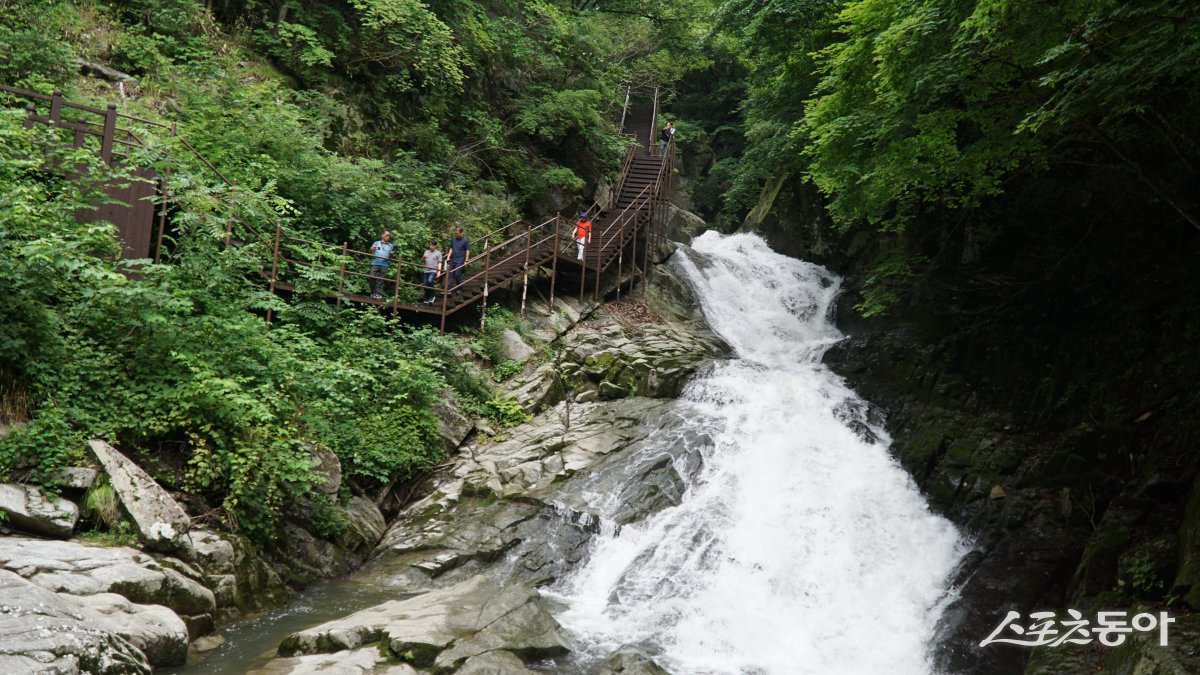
<point>177,357</point>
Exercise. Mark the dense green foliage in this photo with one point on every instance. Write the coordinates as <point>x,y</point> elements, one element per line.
<point>913,118</point>
<point>335,120</point>
<point>180,358</point>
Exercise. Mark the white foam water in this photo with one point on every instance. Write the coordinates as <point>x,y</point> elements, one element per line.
<point>801,546</point>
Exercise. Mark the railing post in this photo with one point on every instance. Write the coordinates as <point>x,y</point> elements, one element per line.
<point>599,258</point>
<point>274,269</point>
<point>525,284</point>
<point>342,273</point>
<point>79,135</point>
<point>637,226</point>
<point>55,107</point>
<point>30,113</point>
<point>396,293</point>
<point>487,261</point>
<point>620,257</point>
<point>445,292</point>
<point>110,132</point>
<point>646,253</point>
<point>554,261</point>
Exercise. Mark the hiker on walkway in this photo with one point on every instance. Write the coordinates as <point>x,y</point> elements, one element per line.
<point>433,265</point>
<point>458,255</point>
<point>664,137</point>
<point>583,232</point>
<point>379,264</point>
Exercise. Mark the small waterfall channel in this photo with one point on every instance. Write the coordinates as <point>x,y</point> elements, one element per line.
<point>800,545</point>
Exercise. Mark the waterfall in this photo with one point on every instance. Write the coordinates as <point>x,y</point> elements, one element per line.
<point>801,546</point>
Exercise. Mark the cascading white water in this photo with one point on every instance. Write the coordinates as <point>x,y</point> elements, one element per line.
<point>800,547</point>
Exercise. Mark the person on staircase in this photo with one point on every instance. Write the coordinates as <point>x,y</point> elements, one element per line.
<point>664,137</point>
<point>583,232</point>
<point>382,248</point>
<point>458,255</point>
<point>433,265</point>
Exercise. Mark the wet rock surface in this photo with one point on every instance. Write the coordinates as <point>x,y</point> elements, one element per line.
<point>444,628</point>
<point>526,498</point>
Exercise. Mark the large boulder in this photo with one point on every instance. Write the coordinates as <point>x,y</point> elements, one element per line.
<point>46,632</point>
<point>617,359</point>
<point>453,425</point>
<point>444,628</point>
<point>630,660</point>
<point>78,569</point>
<point>514,346</point>
<point>504,500</point>
<point>683,226</point>
<point>31,510</point>
<point>161,522</point>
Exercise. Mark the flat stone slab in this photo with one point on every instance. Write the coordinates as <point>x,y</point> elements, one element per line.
<point>46,632</point>
<point>161,522</point>
<point>444,628</point>
<point>73,568</point>
<point>365,661</point>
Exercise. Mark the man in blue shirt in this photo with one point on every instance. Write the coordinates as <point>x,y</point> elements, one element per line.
<point>379,264</point>
<point>458,255</point>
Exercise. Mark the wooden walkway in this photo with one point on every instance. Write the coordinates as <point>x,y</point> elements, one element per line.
<point>622,232</point>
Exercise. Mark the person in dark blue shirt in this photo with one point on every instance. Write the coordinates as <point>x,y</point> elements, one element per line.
<point>379,264</point>
<point>458,255</point>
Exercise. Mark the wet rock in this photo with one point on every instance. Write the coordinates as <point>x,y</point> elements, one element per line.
<point>652,359</point>
<point>240,579</point>
<point>301,558</point>
<point>683,226</point>
<point>161,523</point>
<point>494,663</point>
<point>1187,579</point>
<point>453,425</point>
<point>657,486</point>
<point>443,628</point>
<point>31,510</point>
<point>527,500</point>
<point>328,467</point>
<point>630,660</point>
<point>514,347</point>
<point>536,390</point>
<point>366,523</point>
<point>208,643</point>
<point>355,662</point>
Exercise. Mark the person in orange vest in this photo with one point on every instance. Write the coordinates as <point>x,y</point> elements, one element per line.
<point>583,232</point>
